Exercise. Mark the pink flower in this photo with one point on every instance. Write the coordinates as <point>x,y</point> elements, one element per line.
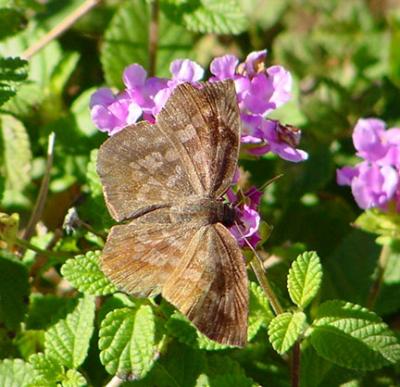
<point>248,219</point>
<point>259,91</point>
<point>375,181</point>
<point>182,70</point>
<point>111,113</point>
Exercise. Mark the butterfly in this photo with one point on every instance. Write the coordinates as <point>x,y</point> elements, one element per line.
<point>165,182</point>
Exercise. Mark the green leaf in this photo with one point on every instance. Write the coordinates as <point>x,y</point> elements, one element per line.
<point>378,222</point>
<point>73,378</point>
<point>179,365</point>
<point>285,329</point>
<point>260,313</point>
<point>62,72</point>
<point>214,16</point>
<point>128,342</point>
<point>223,371</point>
<point>81,113</point>
<point>394,54</point>
<point>17,156</point>
<point>181,328</point>
<point>84,273</point>
<point>15,373</point>
<point>47,371</point>
<point>14,290</point>
<point>127,42</point>
<point>349,268</point>
<point>92,177</point>
<point>29,341</point>
<point>68,340</point>
<point>42,308</point>
<point>12,72</point>
<point>353,337</point>
<point>304,279</point>
<point>11,21</point>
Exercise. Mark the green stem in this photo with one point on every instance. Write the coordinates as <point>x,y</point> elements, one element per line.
<point>258,269</point>
<point>26,245</point>
<point>377,284</point>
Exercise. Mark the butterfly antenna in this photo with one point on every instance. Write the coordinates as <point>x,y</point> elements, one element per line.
<point>261,188</point>
<point>257,265</point>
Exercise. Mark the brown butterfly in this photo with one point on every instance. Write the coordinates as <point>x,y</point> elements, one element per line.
<point>168,179</point>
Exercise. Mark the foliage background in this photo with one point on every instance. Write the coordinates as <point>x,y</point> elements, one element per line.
<point>345,60</point>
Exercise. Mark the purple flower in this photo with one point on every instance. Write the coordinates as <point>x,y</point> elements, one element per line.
<point>247,227</point>
<point>259,91</point>
<point>375,181</point>
<point>273,137</point>
<point>371,185</point>
<point>248,219</point>
<point>111,113</point>
<point>182,70</point>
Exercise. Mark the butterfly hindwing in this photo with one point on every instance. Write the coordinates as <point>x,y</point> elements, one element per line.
<point>140,257</point>
<point>210,286</point>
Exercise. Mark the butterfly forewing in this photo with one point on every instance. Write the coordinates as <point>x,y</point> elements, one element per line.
<point>140,170</point>
<point>169,178</point>
<point>204,125</point>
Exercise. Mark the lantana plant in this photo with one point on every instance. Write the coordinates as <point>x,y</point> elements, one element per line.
<point>323,295</point>
<point>259,91</point>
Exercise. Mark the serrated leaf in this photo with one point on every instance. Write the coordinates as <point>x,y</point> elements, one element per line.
<point>215,16</point>
<point>84,273</point>
<point>260,313</point>
<point>285,329</point>
<point>181,328</point>
<point>128,342</point>
<point>17,155</point>
<point>353,337</point>
<point>15,373</point>
<point>127,42</point>
<point>73,378</point>
<point>304,279</point>
<point>46,371</point>
<point>12,72</point>
<point>68,340</point>
<point>14,290</point>
<point>380,223</point>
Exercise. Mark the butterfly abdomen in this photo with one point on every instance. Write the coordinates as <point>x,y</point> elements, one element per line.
<point>204,210</point>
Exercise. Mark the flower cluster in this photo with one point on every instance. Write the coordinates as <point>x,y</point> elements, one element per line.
<point>374,181</point>
<point>259,91</point>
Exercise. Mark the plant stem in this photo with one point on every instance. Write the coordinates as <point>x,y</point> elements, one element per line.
<point>153,36</point>
<point>377,284</point>
<point>44,189</point>
<point>114,382</point>
<point>60,28</point>
<point>26,245</point>
<point>265,285</point>
<point>296,364</point>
